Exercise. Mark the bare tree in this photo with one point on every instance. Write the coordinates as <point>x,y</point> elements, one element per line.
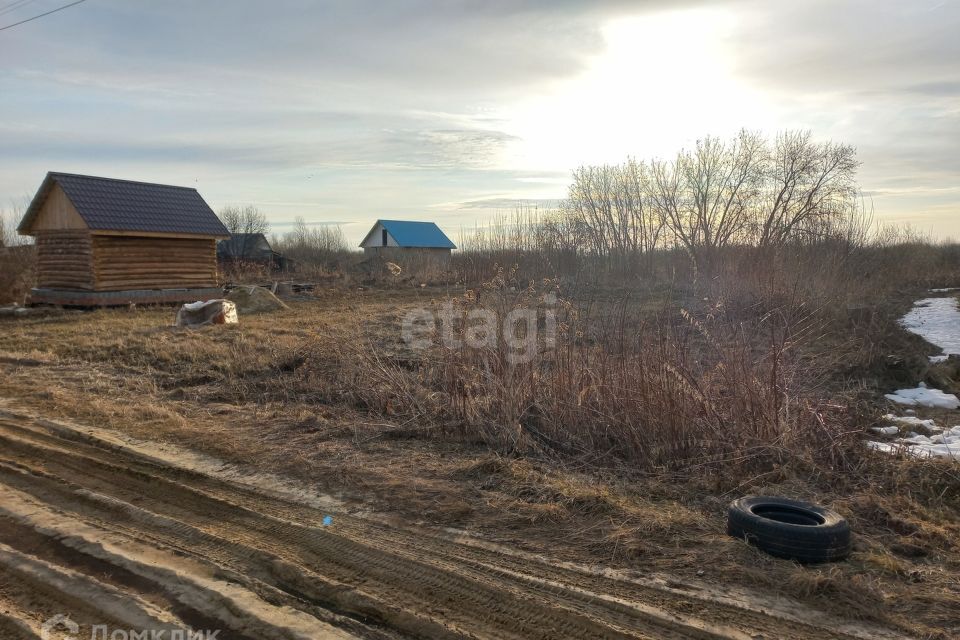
<point>610,205</point>
<point>723,181</point>
<point>247,219</point>
<point>244,222</point>
<point>707,196</point>
<point>591,198</point>
<point>746,191</point>
<point>810,187</point>
<point>703,199</point>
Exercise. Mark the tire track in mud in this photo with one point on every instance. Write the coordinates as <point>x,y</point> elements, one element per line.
<point>457,600</point>
<point>364,577</point>
<point>306,539</point>
<point>13,629</point>
<point>408,542</point>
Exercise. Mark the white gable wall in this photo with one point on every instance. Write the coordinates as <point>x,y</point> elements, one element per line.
<point>375,238</point>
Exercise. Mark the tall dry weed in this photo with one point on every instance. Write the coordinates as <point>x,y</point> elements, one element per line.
<point>612,384</point>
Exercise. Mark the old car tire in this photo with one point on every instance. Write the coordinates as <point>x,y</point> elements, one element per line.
<point>790,529</point>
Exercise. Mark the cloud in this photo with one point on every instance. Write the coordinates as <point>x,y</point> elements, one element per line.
<point>823,46</point>
<point>324,46</point>
<point>512,203</point>
<point>289,224</point>
<point>881,75</point>
<point>353,110</point>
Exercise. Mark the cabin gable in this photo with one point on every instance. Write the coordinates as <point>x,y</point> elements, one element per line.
<point>55,213</point>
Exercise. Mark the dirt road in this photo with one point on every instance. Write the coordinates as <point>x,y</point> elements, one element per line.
<point>130,535</point>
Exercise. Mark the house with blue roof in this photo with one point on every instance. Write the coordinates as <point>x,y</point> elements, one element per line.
<point>403,237</point>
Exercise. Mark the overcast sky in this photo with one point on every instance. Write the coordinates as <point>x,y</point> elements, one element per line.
<point>451,110</point>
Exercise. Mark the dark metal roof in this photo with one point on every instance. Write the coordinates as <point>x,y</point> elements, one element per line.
<point>108,204</point>
<point>245,245</point>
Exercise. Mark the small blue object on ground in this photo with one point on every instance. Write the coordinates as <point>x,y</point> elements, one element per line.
<point>327,521</point>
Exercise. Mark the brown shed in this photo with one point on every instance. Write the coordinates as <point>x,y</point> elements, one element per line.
<point>108,241</point>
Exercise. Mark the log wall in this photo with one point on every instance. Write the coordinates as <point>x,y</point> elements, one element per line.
<point>65,259</point>
<point>134,262</point>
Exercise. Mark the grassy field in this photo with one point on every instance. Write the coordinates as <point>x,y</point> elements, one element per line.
<point>620,446</point>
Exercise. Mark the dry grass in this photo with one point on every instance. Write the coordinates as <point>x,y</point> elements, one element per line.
<point>734,374</point>
<point>671,391</point>
<point>627,451</point>
<point>17,264</point>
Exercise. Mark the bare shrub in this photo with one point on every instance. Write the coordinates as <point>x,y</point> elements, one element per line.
<point>17,268</point>
<point>542,243</point>
<point>7,229</point>
<point>17,258</point>
<point>245,271</point>
<point>322,246</point>
<point>673,389</point>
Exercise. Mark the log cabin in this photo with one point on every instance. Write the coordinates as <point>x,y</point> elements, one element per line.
<point>103,241</point>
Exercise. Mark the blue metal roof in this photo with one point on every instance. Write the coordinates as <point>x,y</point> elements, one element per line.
<point>417,234</point>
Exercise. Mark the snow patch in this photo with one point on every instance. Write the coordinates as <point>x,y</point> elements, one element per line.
<point>884,447</point>
<point>936,320</point>
<point>924,397</point>
<point>911,421</point>
<point>941,445</point>
<point>886,431</point>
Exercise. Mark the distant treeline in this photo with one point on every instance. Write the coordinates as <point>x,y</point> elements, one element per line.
<point>747,191</point>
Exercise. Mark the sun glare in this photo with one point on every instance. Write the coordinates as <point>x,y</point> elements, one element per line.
<point>661,82</point>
